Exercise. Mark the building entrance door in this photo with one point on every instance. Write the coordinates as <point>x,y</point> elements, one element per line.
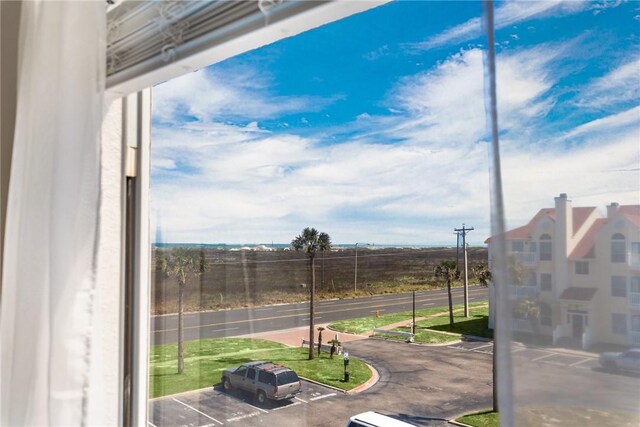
<point>577,323</point>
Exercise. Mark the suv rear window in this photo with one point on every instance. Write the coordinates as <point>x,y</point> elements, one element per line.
<point>287,377</point>
<point>267,378</point>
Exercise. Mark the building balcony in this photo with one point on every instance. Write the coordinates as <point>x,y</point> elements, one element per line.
<point>634,300</point>
<point>528,259</point>
<point>518,292</point>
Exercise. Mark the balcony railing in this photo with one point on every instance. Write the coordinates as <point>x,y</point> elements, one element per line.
<point>524,291</point>
<point>634,338</point>
<point>634,299</point>
<point>526,258</point>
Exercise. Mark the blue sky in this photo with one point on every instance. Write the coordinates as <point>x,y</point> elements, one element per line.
<point>373,128</point>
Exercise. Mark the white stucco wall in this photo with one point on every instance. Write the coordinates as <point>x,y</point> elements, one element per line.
<point>106,361</point>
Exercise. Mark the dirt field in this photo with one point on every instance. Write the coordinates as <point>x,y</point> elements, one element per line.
<point>244,278</point>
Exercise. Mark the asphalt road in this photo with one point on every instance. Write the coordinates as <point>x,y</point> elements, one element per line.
<point>229,323</point>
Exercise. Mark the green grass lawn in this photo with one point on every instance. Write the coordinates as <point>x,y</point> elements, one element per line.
<point>204,361</point>
<point>481,419</point>
<point>476,325</point>
<point>365,324</point>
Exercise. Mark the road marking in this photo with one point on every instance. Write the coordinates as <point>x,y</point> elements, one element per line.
<point>483,346</point>
<point>543,357</point>
<point>293,315</point>
<point>191,407</point>
<point>322,397</point>
<point>301,400</point>
<point>151,424</point>
<point>287,406</point>
<point>293,309</point>
<point>582,361</point>
<point>429,303</point>
<point>255,407</point>
<point>373,311</point>
<point>263,309</point>
<point>253,414</point>
<point>222,330</point>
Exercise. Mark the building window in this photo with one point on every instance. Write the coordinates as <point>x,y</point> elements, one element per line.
<point>545,282</point>
<point>545,248</point>
<point>545,315</point>
<point>618,286</point>
<point>618,248</point>
<point>517,246</point>
<point>634,286</point>
<point>619,323</point>
<point>582,267</point>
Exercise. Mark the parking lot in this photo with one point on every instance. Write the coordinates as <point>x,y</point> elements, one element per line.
<point>215,407</point>
<point>524,354</point>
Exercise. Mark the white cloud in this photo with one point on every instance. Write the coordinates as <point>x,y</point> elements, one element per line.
<point>239,92</point>
<point>236,183</point>
<point>622,84</point>
<point>608,124</point>
<point>508,13</point>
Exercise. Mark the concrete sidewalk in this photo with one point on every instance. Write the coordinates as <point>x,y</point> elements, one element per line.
<point>293,337</point>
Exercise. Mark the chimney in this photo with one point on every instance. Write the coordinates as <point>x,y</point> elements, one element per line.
<point>612,209</point>
<point>564,225</point>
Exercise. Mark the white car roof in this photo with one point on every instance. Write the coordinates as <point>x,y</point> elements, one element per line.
<point>377,419</point>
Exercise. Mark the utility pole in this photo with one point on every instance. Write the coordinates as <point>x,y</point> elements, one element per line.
<point>457,233</point>
<point>464,231</point>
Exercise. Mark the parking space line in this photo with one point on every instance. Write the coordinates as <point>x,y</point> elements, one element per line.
<point>151,424</point>
<point>543,357</point>
<point>322,397</point>
<point>253,414</point>
<point>287,406</point>
<point>191,407</point>
<point>255,407</point>
<point>484,346</point>
<point>581,361</point>
<point>301,400</point>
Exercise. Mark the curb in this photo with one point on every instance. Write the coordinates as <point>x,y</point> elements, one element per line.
<point>458,423</point>
<point>375,377</point>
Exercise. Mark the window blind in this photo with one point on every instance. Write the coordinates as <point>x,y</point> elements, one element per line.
<point>144,36</point>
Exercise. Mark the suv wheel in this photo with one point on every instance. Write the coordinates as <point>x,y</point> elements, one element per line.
<point>262,397</point>
<point>226,384</point>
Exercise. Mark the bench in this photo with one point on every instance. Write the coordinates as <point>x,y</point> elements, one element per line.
<point>407,335</point>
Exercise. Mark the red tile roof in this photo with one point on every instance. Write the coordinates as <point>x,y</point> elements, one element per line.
<point>632,213</point>
<point>585,249</point>
<point>575,293</point>
<point>580,215</point>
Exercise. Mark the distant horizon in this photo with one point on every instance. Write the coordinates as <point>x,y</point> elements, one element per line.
<point>340,245</point>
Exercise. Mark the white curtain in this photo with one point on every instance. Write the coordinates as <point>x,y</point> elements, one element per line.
<point>52,215</point>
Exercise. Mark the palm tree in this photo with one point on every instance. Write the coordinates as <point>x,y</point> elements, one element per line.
<point>181,264</point>
<point>482,273</point>
<point>448,271</point>
<point>310,241</point>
